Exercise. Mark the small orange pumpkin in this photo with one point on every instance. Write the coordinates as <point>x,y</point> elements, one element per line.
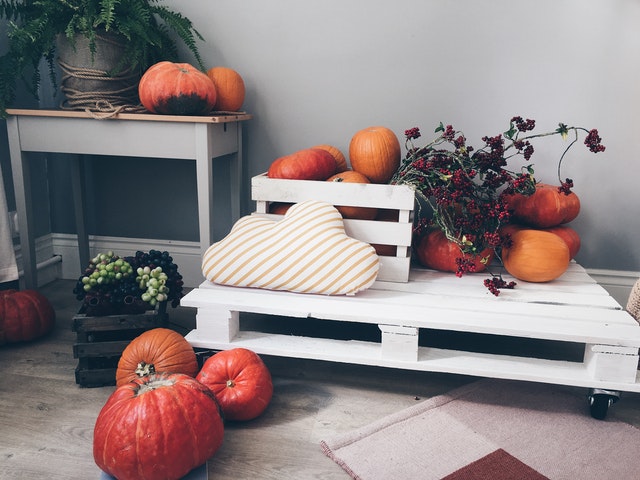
<point>230,89</point>
<point>361,213</point>
<point>375,152</point>
<point>536,256</point>
<point>159,350</point>
<point>176,89</point>
<point>341,161</point>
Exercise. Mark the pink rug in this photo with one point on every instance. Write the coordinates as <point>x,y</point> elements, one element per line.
<point>492,429</point>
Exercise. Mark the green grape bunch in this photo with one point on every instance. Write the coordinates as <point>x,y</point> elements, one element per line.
<point>154,283</point>
<point>105,269</point>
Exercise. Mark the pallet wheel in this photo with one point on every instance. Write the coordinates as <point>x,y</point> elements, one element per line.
<point>600,400</point>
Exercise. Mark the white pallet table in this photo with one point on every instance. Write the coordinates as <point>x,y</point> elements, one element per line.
<point>572,309</point>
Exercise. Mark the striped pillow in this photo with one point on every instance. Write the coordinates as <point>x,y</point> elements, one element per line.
<point>307,251</point>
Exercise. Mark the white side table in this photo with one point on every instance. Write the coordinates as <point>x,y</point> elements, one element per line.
<point>202,138</point>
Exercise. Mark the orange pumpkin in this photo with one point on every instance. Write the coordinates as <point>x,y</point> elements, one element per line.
<point>230,89</point>
<point>436,251</point>
<point>279,208</point>
<point>386,215</point>
<point>341,161</point>
<point>176,89</point>
<point>159,350</point>
<point>536,256</point>
<point>362,213</point>
<point>547,207</point>
<point>568,234</point>
<point>307,164</point>
<point>375,152</point>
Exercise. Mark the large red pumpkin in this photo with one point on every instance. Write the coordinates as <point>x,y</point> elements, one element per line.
<point>230,89</point>
<point>159,350</point>
<point>240,381</point>
<point>547,207</point>
<point>306,164</point>
<point>436,251</point>
<point>157,427</point>
<point>24,316</point>
<point>176,89</point>
<point>375,152</point>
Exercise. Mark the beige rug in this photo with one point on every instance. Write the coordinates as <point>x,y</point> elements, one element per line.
<point>492,429</point>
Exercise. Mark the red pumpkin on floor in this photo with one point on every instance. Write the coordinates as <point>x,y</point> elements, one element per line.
<point>159,350</point>
<point>176,89</point>
<point>24,316</point>
<point>240,381</point>
<point>160,426</point>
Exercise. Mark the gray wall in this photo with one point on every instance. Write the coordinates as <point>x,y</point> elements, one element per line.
<point>319,70</point>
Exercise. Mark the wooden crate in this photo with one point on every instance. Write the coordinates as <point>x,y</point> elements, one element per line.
<point>101,340</point>
<point>265,191</point>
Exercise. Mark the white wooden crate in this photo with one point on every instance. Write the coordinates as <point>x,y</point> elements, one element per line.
<point>265,191</point>
<point>572,311</point>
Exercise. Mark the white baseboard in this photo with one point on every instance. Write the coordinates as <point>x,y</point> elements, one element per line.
<point>185,254</point>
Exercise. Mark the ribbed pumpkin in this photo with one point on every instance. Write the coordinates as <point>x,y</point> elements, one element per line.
<point>306,164</point>
<point>375,152</point>
<point>435,251</point>
<point>176,89</point>
<point>240,381</point>
<point>536,256</point>
<point>341,161</point>
<point>230,88</point>
<point>547,207</point>
<point>361,213</point>
<point>159,350</point>
<point>157,427</point>
<point>24,316</point>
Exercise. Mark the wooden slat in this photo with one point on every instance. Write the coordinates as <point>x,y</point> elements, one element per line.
<point>430,359</point>
<point>215,117</point>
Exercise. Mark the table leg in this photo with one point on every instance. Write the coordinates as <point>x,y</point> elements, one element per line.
<point>204,181</point>
<point>21,183</point>
<point>236,169</point>
<point>79,198</point>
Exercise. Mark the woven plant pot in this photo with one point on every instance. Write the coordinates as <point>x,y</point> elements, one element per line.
<point>91,80</point>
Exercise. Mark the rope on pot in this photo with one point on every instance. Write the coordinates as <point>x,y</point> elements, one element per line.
<point>122,96</point>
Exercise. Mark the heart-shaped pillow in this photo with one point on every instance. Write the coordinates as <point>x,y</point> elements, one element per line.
<point>307,251</point>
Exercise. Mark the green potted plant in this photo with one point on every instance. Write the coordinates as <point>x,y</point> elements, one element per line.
<point>145,30</point>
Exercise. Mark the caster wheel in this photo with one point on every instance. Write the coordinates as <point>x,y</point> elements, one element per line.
<point>600,401</point>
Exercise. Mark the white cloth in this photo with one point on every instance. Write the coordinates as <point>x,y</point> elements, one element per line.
<point>8,266</point>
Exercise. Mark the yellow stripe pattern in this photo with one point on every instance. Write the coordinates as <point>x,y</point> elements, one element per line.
<point>307,251</point>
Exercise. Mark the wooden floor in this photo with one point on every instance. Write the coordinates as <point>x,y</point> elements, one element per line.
<point>46,420</point>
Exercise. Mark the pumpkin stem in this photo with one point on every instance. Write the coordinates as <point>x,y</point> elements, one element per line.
<point>230,383</point>
<point>143,369</point>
